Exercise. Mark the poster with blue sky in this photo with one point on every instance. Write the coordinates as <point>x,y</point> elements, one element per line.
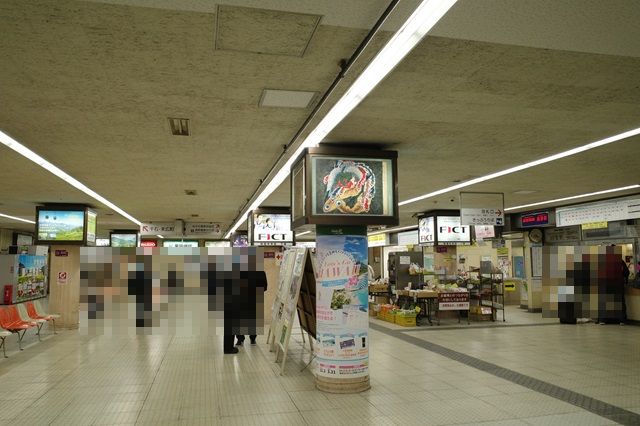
<point>342,301</point>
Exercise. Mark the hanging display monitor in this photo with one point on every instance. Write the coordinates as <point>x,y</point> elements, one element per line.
<point>240,239</point>
<point>270,227</point>
<point>179,243</point>
<point>124,239</point>
<point>344,186</point>
<point>65,224</point>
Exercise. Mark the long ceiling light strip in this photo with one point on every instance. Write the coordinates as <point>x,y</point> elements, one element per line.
<point>390,230</point>
<point>563,154</point>
<point>559,200</point>
<point>426,15</point>
<point>26,152</point>
<point>16,218</point>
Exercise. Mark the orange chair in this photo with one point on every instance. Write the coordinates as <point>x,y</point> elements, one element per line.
<point>33,314</point>
<point>10,320</point>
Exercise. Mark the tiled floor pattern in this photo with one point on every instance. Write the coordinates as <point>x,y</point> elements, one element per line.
<point>70,379</point>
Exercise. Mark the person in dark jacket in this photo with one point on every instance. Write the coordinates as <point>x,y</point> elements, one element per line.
<point>257,285</point>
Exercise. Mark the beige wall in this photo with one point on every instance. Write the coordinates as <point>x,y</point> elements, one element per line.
<point>64,298</point>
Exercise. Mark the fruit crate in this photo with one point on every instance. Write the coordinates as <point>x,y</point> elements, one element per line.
<point>405,321</point>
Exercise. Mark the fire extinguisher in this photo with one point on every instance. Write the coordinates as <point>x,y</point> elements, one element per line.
<point>8,294</point>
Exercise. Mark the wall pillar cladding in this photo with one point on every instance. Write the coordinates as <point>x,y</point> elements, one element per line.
<point>64,285</point>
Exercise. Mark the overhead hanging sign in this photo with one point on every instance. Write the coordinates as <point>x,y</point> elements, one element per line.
<point>426,230</point>
<point>529,220</point>
<point>377,240</point>
<point>202,228</point>
<point>485,216</point>
<point>482,208</point>
<point>451,232</point>
<point>159,228</point>
<point>607,211</point>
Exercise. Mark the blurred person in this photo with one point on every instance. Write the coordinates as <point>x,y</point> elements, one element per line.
<point>257,281</point>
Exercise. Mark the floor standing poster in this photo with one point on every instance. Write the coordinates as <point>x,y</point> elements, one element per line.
<point>342,302</point>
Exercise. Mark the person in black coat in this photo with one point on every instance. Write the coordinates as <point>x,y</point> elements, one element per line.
<point>256,283</point>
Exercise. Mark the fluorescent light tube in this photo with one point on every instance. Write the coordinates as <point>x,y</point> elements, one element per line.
<point>17,218</point>
<point>426,15</point>
<point>563,154</point>
<point>558,200</point>
<point>160,236</point>
<point>303,233</point>
<point>26,152</point>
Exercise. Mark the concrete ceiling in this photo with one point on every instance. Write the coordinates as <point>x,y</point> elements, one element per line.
<point>89,86</point>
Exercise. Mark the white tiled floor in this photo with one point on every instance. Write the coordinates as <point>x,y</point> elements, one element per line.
<point>70,379</point>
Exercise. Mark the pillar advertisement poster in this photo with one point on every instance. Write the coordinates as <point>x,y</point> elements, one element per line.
<point>342,302</point>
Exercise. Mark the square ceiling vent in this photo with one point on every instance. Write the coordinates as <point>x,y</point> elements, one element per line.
<point>272,32</point>
<point>286,98</point>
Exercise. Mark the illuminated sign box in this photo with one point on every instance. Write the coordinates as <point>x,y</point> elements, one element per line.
<point>530,220</point>
<point>344,186</point>
<point>443,230</point>
<point>179,243</point>
<point>124,239</point>
<point>66,224</point>
<point>270,226</point>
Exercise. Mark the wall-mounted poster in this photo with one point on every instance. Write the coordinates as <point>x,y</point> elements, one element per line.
<point>358,185</point>
<point>342,301</point>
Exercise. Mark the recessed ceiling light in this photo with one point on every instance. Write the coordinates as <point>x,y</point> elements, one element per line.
<point>286,98</point>
<point>179,126</point>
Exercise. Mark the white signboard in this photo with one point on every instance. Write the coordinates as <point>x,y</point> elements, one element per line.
<point>202,228</point>
<point>426,231</point>
<point>482,216</point>
<point>484,231</point>
<point>607,211</point>
<point>408,238</point>
<point>556,235</point>
<point>377,240</point>
<point>272,229</point>
<point>451,232</point>
<point>160,228</point>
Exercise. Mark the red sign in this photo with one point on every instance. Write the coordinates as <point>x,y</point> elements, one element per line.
<point>269,254</point>
<point>62,253</point>
<point>441,249</point>
<point>148,243</point>
<point>535,219</point>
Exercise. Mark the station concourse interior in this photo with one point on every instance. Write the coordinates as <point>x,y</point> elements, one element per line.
<point>181,117</point>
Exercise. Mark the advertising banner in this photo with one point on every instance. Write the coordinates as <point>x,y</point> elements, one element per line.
<point>272,229</point>
<point>451,232</point>
<point>342,302</point>
<point>426,230</point>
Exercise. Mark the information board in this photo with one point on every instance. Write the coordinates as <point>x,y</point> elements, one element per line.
<point>606,211</point>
